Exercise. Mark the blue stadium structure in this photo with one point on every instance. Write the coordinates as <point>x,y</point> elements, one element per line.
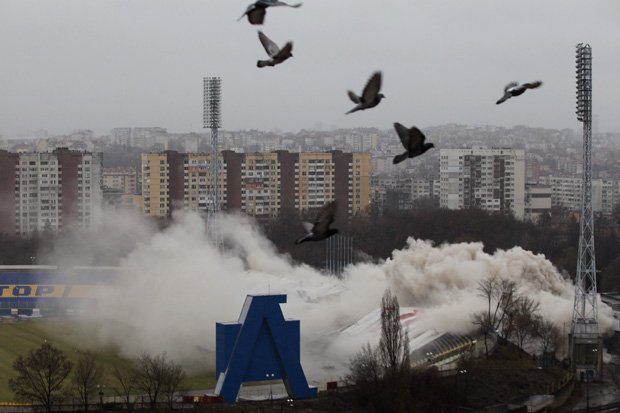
<point>50,290</point>
<point>261,346</point>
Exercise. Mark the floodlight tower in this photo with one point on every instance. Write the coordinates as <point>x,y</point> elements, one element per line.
<point>212,118</point>
<point>585,340</point>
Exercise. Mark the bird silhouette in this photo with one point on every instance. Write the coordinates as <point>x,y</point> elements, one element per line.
<point>413,141</point>
<point>257,10</point>
<point>370,95</point>
<point>277,55</point>
<point>514,89</point>
<point>320,230</point>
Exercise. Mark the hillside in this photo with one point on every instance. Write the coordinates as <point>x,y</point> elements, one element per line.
<point>19,337</point>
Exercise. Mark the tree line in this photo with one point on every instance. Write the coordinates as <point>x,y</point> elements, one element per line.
<point>47,378</point>
<point>384,380</point>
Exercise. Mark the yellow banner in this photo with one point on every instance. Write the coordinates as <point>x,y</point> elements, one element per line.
<point>46,291</point>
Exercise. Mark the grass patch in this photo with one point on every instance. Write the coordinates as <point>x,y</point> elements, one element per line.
<point>22,336</point>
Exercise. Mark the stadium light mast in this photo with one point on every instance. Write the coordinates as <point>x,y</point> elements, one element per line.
<point>212,119</point>
<point>586,351</point>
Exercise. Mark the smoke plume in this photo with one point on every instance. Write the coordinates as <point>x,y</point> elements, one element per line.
<point>175,285</point>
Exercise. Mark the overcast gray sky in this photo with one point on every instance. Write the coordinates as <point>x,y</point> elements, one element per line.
<point>99,64</point>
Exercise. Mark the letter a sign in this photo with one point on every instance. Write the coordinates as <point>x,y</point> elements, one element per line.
<point>261,346</point>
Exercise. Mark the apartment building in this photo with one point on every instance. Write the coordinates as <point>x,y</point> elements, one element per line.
<point>259,184</point>
<point>566,193</point>
<point>197,182</point>
<point>490,179</point>
<point>537,201</point>
<point>315,180</point>
<point>49,191</point>
<point>401,193</point>
<point>121,180</point>
<point>163,183</point>
<point>121,136</point>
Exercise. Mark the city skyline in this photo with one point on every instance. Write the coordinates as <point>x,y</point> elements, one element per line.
<point>99,65</point>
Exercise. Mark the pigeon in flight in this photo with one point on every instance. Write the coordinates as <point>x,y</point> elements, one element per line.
<point>514,89</point>
<point>370,96</point>
<point>320,229</point>
<point>256,11</point>
<point>277,55</point>
<point>413,141</point>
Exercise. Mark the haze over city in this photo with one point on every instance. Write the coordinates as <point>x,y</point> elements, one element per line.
<point>97,65</point>
<point>401,215</point>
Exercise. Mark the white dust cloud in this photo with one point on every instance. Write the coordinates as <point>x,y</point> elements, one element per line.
<point>175,286</point>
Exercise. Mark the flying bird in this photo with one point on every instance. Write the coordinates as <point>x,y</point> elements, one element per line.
<point>370,95</point>
<point>256,11</point>
<point>413,141</point>
<point>320,229</point>
<point>514,89</point>
<point>277,55</point>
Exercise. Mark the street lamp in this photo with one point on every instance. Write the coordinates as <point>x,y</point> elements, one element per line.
<point>458,375</point>
<point>101,388</point>
<point>270,377</point>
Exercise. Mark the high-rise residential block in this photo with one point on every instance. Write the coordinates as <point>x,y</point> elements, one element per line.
<point>49,191</point>
<point>490,179</point>
<point>258,184</point>
<point>566,193</point>
<point>197,181</point>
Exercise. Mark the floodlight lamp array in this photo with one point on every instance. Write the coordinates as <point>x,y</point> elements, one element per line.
<point>212,110</point>
<point>584,82</point>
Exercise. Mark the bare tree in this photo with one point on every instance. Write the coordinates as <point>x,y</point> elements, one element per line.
<point>40,376</point>
<point>366,375</point>
<point>394,342</point>
<point>549,334</point>
<point>88,373</point>
<point>382,375</point>
<point>525,314</point>
<point>394,354</point>
<point>155,375</point>
<point>173,377</point>
<point>500,295</point>
<point>125,385</point>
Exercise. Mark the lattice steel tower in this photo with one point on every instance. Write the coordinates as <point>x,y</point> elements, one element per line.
<point>585,340</point>
<point>212,118</point>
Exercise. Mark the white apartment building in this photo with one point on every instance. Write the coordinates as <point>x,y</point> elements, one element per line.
<point>566,193</point>
<point>38,193</point>
<point>490,179</point>
<point>537,201</point>
<point>89,188</point>
<point>56,189</point>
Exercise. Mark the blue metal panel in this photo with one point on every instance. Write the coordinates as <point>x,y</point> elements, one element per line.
<point>262,346</point>
<point>51,289</point>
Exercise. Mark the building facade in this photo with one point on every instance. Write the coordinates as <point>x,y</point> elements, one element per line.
<point>197,182</point>
<point>258,184</point>
<point>537,201</point>
<point>122,180</point>
<point>489,179</point>
<point>566,193</point>
<point>49,191</point>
